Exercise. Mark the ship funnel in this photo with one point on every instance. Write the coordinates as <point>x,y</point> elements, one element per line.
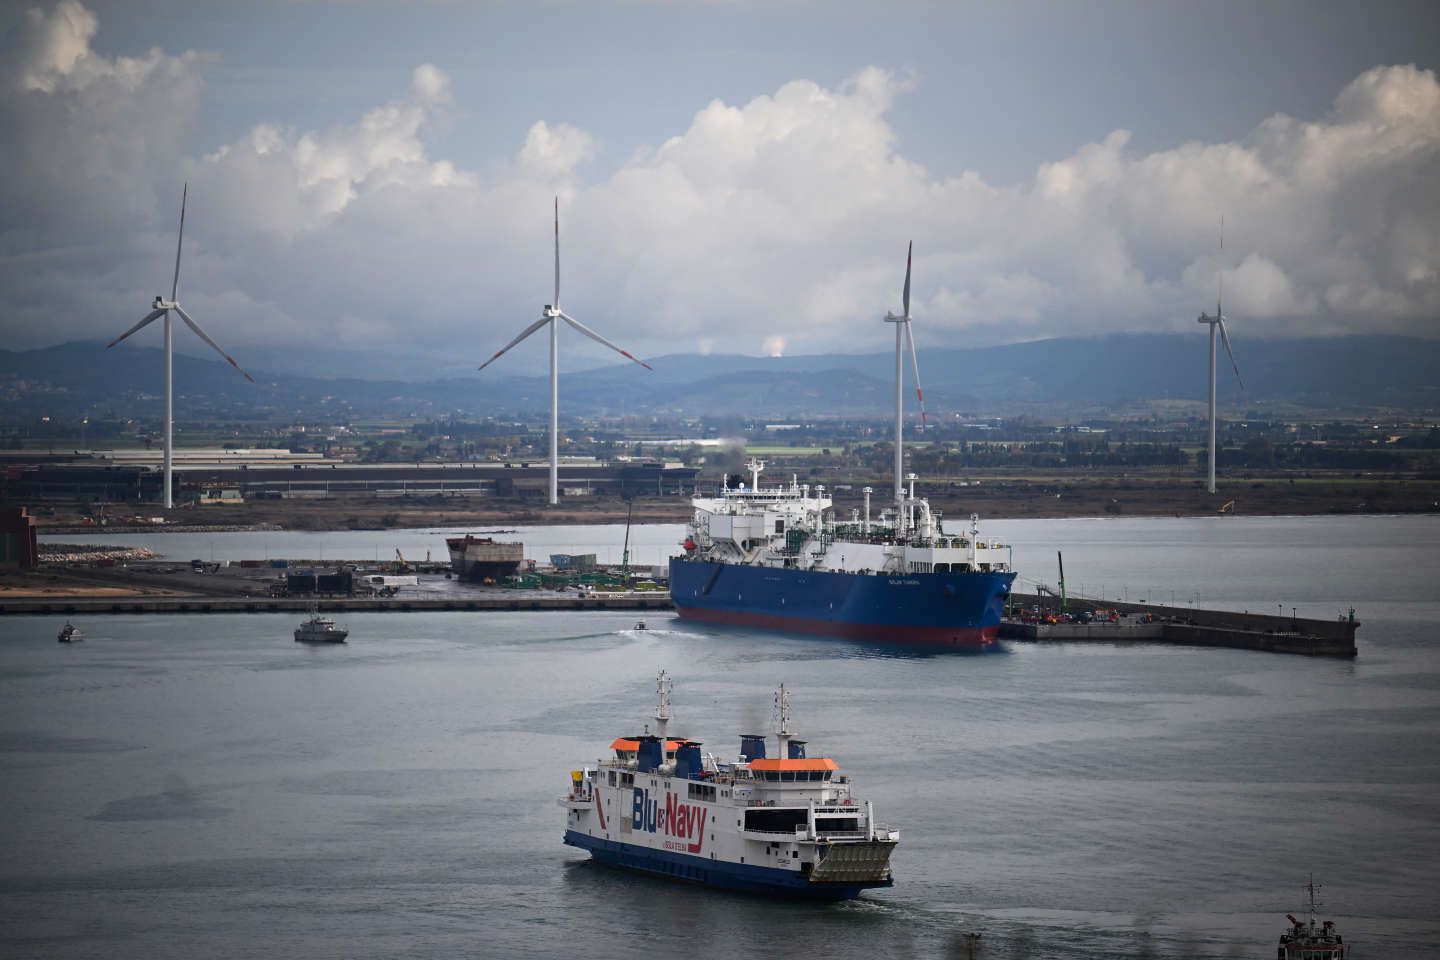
<point>650,755</point>
<point>688,765</point>
<point>752,746</point>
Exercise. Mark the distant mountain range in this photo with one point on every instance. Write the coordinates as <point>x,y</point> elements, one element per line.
<point>1065,377</point>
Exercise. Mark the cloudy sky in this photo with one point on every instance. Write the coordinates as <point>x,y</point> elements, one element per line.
<point>732,177</point>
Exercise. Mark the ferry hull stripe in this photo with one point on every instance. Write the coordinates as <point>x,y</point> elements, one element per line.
<point>716,873</point>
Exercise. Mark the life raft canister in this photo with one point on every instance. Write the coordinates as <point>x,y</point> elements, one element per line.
<point>689,545</point>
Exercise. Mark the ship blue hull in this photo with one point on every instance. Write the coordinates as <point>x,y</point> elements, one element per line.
<point>715,873</point>
<point>945,610</point>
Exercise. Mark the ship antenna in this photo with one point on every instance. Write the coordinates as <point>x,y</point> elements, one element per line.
<point>662,710</point>
<point>782,721</point>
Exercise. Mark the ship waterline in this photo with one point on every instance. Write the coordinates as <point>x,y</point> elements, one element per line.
<point>942,610</point>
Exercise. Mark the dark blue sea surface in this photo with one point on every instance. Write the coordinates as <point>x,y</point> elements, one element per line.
<point>187,786</point>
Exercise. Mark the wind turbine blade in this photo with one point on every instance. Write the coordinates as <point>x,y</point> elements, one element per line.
<point>556,302</point>
<point>905,297</point>
<point>202,335</point>
<point>175,285</point>
<point>915,371</point>
<point>599,339</point>
<point>523,334</point>
<point>1220,296</point>
<point>1225,339</point>
<point>152,315</point>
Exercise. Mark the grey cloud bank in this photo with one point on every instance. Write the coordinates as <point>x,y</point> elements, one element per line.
<point>774,224</point>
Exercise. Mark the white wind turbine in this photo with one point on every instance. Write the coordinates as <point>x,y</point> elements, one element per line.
<point>1218,321</point>
<point>903,335</point>
<point>552,314</point>
<point>161,308</point>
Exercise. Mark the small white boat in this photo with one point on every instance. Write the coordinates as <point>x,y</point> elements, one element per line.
<point>70,633</point>
<point>320,629</point>
<point>640,625</point>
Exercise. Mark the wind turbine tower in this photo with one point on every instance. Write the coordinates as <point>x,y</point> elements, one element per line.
<point>161,308</point>
<point>903,335</point>
<point>1218,321</point>
<point>552,314</point>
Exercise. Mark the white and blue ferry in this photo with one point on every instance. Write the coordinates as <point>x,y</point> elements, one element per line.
<point>777,558</point>
<point>787,824</point>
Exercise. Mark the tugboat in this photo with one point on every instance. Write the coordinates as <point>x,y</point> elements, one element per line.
<point>787,825</point>
<point>320,629</point>
<point>70,633</point>
<point>1305,940</point>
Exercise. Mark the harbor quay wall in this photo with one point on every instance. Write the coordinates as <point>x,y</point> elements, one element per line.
<point>651,600</point>
<point>1192,626</point>
<point>1340,629</point>
<point>1082,631</point>
<point>1306,644</point>
<point>1175,625</point>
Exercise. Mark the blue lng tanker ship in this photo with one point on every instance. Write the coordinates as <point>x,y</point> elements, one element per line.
<point>773,558</point>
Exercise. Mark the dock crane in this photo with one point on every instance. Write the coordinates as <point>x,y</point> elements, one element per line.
<point>403,564</point>
<point>1227,507</point>
<point>1064,601</point>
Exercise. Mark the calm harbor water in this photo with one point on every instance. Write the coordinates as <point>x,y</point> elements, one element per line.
<point>182,786</point>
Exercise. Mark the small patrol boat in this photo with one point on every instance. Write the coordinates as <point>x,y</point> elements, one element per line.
<point>787,825</point>
<point>70,633</point>
<point>1307,940</point>
<point>320,629</point>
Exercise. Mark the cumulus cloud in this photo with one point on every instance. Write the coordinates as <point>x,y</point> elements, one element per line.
<point>554,150</point>
<point>54,44</point>
<point>430,83</point>
<point>775,224</point>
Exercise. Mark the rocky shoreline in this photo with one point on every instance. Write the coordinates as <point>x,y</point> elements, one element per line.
<point>91,552</point>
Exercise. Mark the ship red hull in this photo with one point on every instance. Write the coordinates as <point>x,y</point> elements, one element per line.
<point>939,611</point>
<point>949,638</point>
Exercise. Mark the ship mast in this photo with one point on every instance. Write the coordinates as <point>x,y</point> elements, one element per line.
<point>782,722</point>
<point>662,710</point>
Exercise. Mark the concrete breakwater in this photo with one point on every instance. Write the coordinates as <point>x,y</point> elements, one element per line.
<point>1141,623</point>
<point>1190,627</point>
<point>510,600</point>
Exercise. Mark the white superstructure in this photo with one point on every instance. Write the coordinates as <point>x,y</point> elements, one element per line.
<point>794,526</point>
